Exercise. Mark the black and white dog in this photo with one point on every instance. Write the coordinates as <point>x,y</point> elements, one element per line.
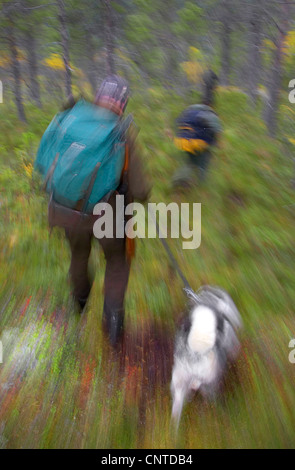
<point>205,344</point>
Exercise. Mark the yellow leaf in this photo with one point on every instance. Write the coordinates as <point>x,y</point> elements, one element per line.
<point>54,61</point>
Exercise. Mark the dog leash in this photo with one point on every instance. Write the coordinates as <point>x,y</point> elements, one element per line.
<point>170,255</point>
<point>191,294</point>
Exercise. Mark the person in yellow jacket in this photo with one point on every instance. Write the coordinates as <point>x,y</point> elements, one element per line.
<point>198,128</point>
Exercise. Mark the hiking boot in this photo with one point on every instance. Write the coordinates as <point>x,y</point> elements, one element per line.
<point>80,303</point>
<point>113,321</point>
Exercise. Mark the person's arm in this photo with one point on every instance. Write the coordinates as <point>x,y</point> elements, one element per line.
<point>138,181</point>
<point>214,124</point>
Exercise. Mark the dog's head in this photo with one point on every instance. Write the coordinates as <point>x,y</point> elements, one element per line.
<point>218,300</point>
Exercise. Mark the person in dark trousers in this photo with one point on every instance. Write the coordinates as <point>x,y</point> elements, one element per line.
<point>196,150</point>
<point>112,95</point>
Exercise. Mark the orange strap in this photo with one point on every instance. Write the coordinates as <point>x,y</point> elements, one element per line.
<point>130,248</point>
<point>130,242</point>
<point>126,163</point>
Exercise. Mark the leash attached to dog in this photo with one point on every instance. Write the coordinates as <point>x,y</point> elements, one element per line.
<point>170,255</point>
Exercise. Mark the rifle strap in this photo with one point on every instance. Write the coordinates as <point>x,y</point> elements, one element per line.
<point>50,172</point>
<point>90,187</point>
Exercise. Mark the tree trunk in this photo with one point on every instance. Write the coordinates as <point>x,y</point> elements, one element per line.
<point>15,66</point>
<point>225,51</point>
<point>272,106</point>
<point>65,47</point>
<point>33,67</point>
<point>109,37</point>
<point>254,65</point>
<point>91,66</point>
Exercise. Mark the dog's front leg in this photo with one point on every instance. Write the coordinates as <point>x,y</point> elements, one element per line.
<point>180,386</point>
<point>178,400</point>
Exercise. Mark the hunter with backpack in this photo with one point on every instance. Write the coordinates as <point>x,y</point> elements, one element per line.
<point>87,155</point>
<point>197,130</point>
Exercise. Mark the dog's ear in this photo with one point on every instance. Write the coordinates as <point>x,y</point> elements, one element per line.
<point>186,325</point>
<point>226,306</point>
<point>181,319</point>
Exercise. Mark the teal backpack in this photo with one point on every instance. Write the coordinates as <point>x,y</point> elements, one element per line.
<point>81,155</point>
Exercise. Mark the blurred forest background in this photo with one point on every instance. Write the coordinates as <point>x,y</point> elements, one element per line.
<point>59,385</point>
<point>57,47</point>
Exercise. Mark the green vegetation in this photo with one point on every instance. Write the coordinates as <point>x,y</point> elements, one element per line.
<point>60,386</point>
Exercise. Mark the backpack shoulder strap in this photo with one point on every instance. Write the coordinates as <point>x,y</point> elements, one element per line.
<point>124,125</point>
